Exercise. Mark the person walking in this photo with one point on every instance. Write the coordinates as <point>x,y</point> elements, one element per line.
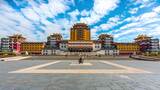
<point>80,60</point>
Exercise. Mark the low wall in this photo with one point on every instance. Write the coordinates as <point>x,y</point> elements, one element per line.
<point>147,58</point>
<point>77,57</point>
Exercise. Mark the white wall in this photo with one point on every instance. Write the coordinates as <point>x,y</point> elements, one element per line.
<point>63,46</point>
<point>97,46</point>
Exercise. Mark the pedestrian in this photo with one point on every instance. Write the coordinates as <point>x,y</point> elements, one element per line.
<point>80,60</point>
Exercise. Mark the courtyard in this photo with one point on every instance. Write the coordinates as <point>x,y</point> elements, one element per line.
<point>38,74</point>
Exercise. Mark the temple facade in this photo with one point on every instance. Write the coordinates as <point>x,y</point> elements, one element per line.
<point>80,32</point>
<point>80,38</point>
<point>15,43</point>
<point>80,42</point>
<point>52,44</point>
<point>147,44</point>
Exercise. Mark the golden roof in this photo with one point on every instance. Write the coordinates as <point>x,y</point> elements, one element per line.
<point>104,36</point>
<point>56,35</point>
<point>142,37</point>
<point>17,36</point>
<point>80,25</point>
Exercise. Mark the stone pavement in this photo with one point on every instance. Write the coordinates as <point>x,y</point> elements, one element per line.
<point>68,75</point>
<point>104,67</point>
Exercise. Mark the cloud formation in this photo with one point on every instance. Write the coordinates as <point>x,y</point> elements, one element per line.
<point>37,19</point>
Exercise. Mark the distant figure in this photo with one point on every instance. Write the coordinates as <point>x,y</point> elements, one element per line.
<point>80,60</point>
<point>130,55</point>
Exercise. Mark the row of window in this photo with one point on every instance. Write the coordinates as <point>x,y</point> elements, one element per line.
<point>97,46</point>
<point>66,46</point>
<point>128,48</point>
<point>63,46</point>
<point>31,46</point>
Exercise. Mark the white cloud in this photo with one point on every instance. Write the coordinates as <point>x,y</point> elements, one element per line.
<point>109,24</point>
<point>148,16</point>
<point>94,34</point>
<point>30,14</point>
<point>58,6</point>
<point>157,9</point>
<point>114,19</point>
<point>19,3</point>
<point>85,13</point>
<point>128,26</point>
<point>133,11</point>
<point>74,15</point>
<point>14,22</point>
<point>128,31</point>
<point>100,9</point>
<point>144,24</point>
<point>51,9</point>
<point>156,31</point>
<point>143,3</point>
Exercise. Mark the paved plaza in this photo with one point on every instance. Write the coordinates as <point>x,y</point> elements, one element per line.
<point>37,74</point>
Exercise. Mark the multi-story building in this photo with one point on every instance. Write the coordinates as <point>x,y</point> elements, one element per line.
<point>111,50</point>
<point>147,44</point>
<point>107,44</point>
<point>5,45</point>
<point>128,48</point>
<point>106,41</point>
<point>144,42</point>
<point>154,46</point>
<point>16,41</point>
<point>54,40</point>
<point>80,40</point>
<point>52,44</point>
<point>80,32</point>
<point>32,48</point>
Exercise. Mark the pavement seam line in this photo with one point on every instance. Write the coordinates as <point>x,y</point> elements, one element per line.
<point>35,67</point>
<point>125,67</point>
<point>15,58</point>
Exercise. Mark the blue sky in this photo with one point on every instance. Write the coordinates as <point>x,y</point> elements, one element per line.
<point>36,19</point>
